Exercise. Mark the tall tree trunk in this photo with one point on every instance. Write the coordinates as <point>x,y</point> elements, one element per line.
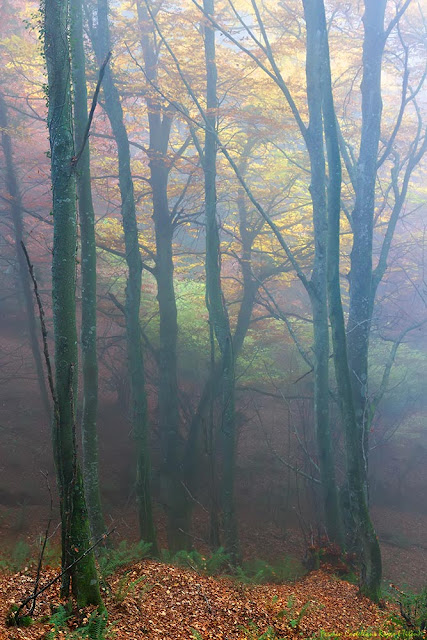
<point>367,541</point>
<point>218,316</point>
<point>88,271</point>
<point>74,519</point>
<point>18,226</point>
<point>159,123</point>
<point>139,414</point>
<point>318,284</point>
<point>360,277</point>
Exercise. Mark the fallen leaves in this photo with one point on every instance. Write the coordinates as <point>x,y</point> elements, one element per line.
<point>159,602</point>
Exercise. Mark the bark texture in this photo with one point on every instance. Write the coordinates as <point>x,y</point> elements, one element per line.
<point>74,518</point>
<point>88,274</point>
<point>318,284</point>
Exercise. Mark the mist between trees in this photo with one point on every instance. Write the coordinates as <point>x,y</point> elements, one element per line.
<point>226,229</point>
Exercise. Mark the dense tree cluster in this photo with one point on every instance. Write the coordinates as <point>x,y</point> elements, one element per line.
<point>239,213</point>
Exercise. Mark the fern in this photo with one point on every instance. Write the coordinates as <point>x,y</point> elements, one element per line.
<point>217,562</point>
<point>124,588</point>
<point>260,572</point>
<point>292,615</point>
<point>253,632</point>
<point>58,620</point>
<point>95,628</point>
<point>112,559</point>
<point>211,565</point>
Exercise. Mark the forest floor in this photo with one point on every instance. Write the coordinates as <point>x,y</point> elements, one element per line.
<point>157,601</point>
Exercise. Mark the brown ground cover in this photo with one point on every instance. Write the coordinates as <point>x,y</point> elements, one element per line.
<point>158,601</point>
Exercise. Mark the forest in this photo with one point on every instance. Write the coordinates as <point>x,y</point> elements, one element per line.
<point>213,319</point>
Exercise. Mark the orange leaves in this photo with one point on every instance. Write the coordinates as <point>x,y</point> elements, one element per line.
<point>161,602</point>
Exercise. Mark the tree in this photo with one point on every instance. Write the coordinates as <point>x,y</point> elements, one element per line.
<point>364,276</point>
<point>139,417</point>
<point>75,533</point>
<point>159,123</point>
<point>367,541</point>
<point>16,210</point>
<point>316,285</point>
<point>88,271</point>
<point>218,316</point>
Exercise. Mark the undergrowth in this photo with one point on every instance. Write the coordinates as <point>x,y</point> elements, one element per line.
<point>257,571</point>
<point>110,560</point>
<point>215,564</point>
<point>22,556</point>
<point>125,588</point>
<point>18,558</point>
<point>413,612</point>
<point>94,627</point>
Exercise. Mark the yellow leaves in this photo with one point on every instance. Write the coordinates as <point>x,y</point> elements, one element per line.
<point>110,232</point>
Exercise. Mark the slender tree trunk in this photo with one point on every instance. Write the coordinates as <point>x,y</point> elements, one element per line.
<point>212,386</point>
<point>18,225</point>
<point>159,123</point>
<point>218,316</point>
<point>139,414</point>
<point>88,271</point>
<point>367,541</point>
<point>360,277</point>
<point>74,519</point>
<point>318,284</point>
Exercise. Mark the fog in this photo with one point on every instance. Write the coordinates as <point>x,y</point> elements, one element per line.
<point>222,319</point>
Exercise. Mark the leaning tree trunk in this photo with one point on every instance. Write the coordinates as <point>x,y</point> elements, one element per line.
<point>18,226</point>
<point>139,415</point>
<point>88,271</point>
<point>218,316</point>
<point>367,541</point>
<point>318,285</point>
<point>74,519</point>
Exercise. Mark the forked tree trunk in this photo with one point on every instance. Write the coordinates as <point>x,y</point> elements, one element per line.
<point>367,541</point>
<point>74,518</point>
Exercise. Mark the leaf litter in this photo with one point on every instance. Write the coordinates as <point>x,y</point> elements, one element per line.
<point>157,601</point>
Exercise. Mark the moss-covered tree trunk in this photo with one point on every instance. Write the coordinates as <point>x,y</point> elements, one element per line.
<point>367,541</point>
<point>218,316</point>
<point>74,518</point>
<point>15,201</point>
<point>88,274</point>
<point>139,415</point>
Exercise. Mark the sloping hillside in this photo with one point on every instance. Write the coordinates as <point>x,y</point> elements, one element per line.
<point>158,601</point>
